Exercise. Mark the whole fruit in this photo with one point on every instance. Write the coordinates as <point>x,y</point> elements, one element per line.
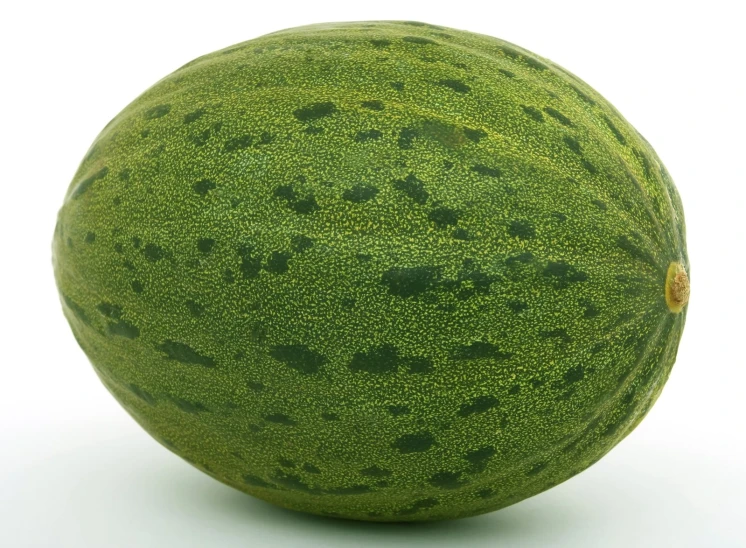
<point>378,270</point>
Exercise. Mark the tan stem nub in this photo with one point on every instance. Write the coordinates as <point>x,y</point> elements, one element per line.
<point>677,287</point>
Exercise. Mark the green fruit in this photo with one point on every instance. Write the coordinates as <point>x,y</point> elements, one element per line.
<point>378,270</point>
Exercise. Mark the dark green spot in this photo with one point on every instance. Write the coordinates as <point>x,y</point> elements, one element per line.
<point>517,306</point>
<point>422,504</point>
<point>444,216</point>
<point>406,138</point>
<point>615,131</point>
<point>572,143</point>
<point>456,85</point>
<point>203,187</point>
<point>418,364</point>
<point>238,143</point>
<point>397,410</point>
<point>257,333</point>
<point>313,130</point>
<point>195,309</point>
<point>461,234</point>
<point>410,281</point>
<point>368,135</point>
<point>298,357</point>
<point>398,86</point>
<point>90,238</point>
<point>635,249</point>
<point>479,349</point>
<point>557,115</point>
<point>480,404</point>
<point>265,138</point>
<point>294,482</point>
<point>414,443</point>
<point>285,463</point>
<point>561,217</point>
<point>447,134</point>
<point>360,193</point>
<point>194,115</point>
<point>533,113</point>
<point>486,493</point>
<point>205,245</point>
<point>201,138</point>
<point>300,243</point>
<point>506,73</point>
<point>124,329</point>
<point>475,135</point>
<point>574,374</point>
<point>534,63</point>
<point>515,389</point>
<point>482,169</point>
<point>330,416</point>
<point>109,310</point>
<point>582,95</point>
<point>315,111</point>
<point>592,169</point>
<point>352,490</point>
<point>251,263</point>
<point>300,205</point>
<point>188,406</point>
<point>521,229</point>
<point>137,286</point>
<point>380,43</point>
<point>255,386</point>
<point>478,457</point>
<point>279,418</point>
<point>372,105</point>
<point>447,480</point>
<point>562,273</point>
<point>157,111</point>
<point>599,204</point>
<point>153,252</point>
<point>184,353</point>
<point>375,472</point>
<point>310,468</point>
<point>382,359</point>
<point>590,310</point>
<point>555,334</point>
<point>278,262</point>
<point>147,397</point>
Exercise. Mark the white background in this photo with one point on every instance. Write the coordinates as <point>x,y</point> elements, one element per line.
<point>76,471</point>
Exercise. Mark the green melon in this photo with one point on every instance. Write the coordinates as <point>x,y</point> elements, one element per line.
<point>384,271</point>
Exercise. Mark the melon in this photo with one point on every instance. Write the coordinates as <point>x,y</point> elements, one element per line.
<point>383,271</point>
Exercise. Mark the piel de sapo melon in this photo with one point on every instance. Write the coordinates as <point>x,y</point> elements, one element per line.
<point>384,271</point>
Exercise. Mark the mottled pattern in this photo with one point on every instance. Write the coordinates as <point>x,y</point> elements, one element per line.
<point>384,270</point>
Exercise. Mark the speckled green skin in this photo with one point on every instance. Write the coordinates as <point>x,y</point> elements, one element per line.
<point>384,271</point>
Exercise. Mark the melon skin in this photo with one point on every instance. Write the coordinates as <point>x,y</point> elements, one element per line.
<point>383,271</point>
